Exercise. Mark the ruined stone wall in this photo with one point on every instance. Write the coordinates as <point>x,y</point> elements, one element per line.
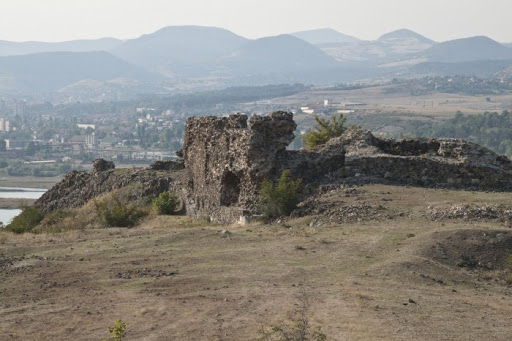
<point>443,163</point>
<point>428,172</point>
<point>311,164</point>
<point>227,157</point>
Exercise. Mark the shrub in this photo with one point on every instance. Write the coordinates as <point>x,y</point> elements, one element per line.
<point>165,203</point>
<point>57,221</point>
<point>325,130</point>
<point>298,329</point>
<point>29,217</point>
<point>115,213</point>
<point>117,331</point>
<point>282,198</point>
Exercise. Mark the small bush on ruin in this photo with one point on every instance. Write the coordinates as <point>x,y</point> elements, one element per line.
<point>325,130</point>
<point>280,199</point>
<point>29,218</point>
<point>113,213</point>
<point>165,203</point>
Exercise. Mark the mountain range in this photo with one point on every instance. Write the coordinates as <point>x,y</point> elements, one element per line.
<point>9,48</point>
<point>196,56</point>
<point>51,71</point>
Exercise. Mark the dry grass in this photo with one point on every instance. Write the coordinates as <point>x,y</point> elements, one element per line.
<point>3,237</point>
<point>434,104</point>
<point>177,278</point>
<point>154,221</point>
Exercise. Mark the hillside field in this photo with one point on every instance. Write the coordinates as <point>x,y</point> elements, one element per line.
<point>389,267</point>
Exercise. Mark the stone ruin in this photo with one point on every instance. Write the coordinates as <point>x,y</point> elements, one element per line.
<point>436,163</point>
<point>226,158</point>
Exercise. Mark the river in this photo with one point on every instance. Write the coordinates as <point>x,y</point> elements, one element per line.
<point>6,215</point>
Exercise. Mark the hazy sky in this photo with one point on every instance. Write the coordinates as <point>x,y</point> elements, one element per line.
<point>59,20</point>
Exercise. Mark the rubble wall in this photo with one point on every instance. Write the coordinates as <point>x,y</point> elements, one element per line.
<point>437,163</point>
<point>226,158</point>
<point>428,172</point>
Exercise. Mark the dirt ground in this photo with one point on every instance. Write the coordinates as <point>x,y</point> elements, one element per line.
<point>394,274</point>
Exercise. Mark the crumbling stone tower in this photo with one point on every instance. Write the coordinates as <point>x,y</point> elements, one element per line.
<point>226,158</point>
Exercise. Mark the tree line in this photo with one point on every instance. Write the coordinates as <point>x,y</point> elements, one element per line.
<point>490,129</point>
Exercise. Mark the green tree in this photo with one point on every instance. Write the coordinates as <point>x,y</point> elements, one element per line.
<point>29,217</point>
<point>30,148</point>
<point>113,213</point>
<point>165,203</point>
<point>325,130</point>
<point>281,199</point>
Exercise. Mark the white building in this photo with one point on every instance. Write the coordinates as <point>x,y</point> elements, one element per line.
<point>4,125</point>
<point>91,141</point>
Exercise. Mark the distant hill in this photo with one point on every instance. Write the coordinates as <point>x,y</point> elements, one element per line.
<point>324,36</point>
<point>405,34</point>
<point>506,72</point>
<point>9,48</point>
<point>52,70</point>
<point>279,54</point>
<point>468,49</point>
<point>191,57</point>
<point>396,46</point>
<point>174,47</point>
<point>478,68</point>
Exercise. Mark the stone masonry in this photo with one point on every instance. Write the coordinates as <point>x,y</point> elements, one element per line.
<point>226,158</point>
<point>437,163</point>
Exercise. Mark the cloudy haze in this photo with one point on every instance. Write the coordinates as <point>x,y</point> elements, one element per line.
<point>60,20</point>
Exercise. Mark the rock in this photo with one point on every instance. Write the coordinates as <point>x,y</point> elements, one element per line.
<point>100,165</point>
<point>166,165</point>
<point>467,212</point>
<point>225,234</point>
<point>77,188</point>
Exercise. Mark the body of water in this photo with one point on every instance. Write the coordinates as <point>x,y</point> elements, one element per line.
<point>6,215</point>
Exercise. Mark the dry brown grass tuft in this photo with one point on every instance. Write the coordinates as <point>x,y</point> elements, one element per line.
<point>152,222</point>
<point>3,237</point>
